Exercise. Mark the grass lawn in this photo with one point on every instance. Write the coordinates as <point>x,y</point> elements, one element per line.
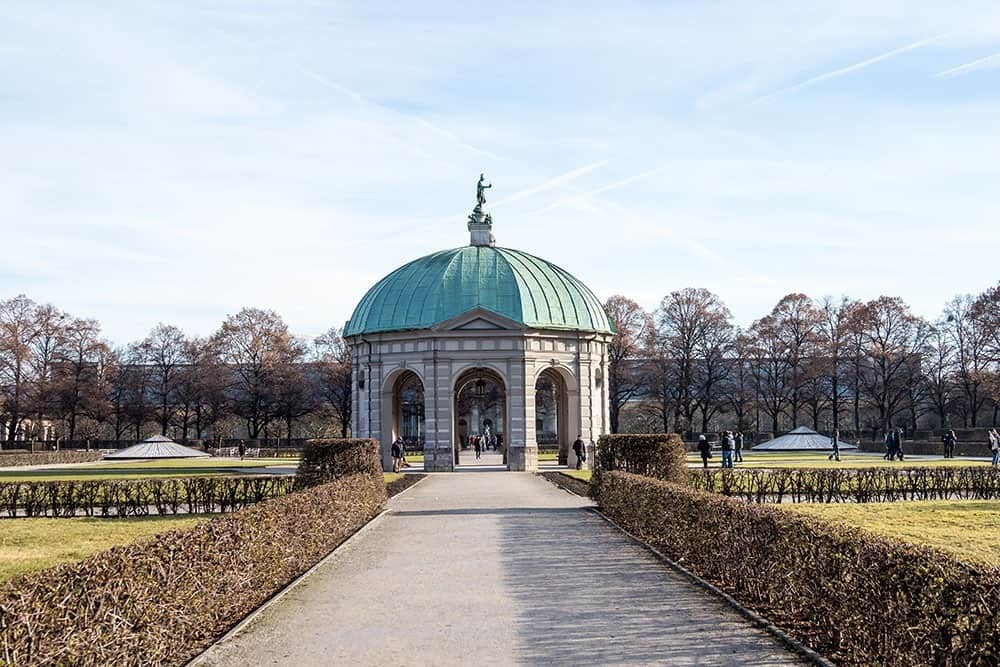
<point>34,544</point>
<point>584,475</point>
<point>145,469</point>
<point>968,529</point>
<point>819,460</point>
<point>391,477</point>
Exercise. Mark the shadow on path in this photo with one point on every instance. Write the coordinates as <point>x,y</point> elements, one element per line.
<point>586,594</point>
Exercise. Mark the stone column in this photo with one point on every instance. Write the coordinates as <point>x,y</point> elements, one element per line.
<point>522,452</point>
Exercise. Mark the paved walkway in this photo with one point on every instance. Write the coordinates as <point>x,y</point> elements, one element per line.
<point>491,568</point>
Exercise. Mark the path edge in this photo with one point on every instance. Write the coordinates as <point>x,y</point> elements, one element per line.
<point>252,616</point>
<point>756,619</point>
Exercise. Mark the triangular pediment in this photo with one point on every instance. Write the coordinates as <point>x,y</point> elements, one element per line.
<point>479,319</point>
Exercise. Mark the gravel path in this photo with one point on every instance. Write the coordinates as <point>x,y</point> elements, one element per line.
<point>491,568</point>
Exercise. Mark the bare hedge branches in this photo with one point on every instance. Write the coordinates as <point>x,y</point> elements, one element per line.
<point>162,600</point>
<point>48,458</point>
<point>143,497</point>
<point>852,485</point>
<point>857,598</point>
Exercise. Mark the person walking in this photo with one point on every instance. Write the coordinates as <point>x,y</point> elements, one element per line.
<point>835,443</point>
<point>948,440</point>
<point>242,449</point>
<point>898,443</point>
<point>478,446</point>
<point>580,450</point>
<point>995,446</point>
<point>727,450</point>
<point>738,447</point>
<point>889,453</point>
<point>704,449</point>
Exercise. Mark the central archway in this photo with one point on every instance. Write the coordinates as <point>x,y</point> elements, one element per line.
<point>480,413</point>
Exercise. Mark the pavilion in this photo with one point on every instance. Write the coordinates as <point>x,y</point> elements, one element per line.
<point>480,340</point>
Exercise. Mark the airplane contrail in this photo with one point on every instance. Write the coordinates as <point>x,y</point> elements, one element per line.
<point>851,68</point>
<point>980,63</point>
<point>563,179</point>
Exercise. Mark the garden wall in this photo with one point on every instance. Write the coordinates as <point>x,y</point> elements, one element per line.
<point>161,601</point>
<point>854,597</point>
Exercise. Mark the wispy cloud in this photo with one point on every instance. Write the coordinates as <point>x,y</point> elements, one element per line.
<point>987,62</point>
<point>851,68</point>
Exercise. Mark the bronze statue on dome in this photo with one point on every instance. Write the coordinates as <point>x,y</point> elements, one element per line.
<point>481,191</point>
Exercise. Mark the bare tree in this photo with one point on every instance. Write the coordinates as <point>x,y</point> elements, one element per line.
<point>333,364</point>
<point>164,351</point>
<point>894,341</point>
<point>633,328</point>
<point>738,389</point>
<point>796,321</point>
<point>834,351</point>
<point>253,343</point>
<point>79,382</point>
<point>17,334</point>
<point>970,339</point>
<point>683,322</point>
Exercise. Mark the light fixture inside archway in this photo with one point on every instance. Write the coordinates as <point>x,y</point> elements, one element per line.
<point>480,387</point>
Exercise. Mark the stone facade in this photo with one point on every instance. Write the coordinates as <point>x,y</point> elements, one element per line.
<point>478,342</point>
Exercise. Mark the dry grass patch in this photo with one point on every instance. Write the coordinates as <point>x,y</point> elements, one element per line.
<point>27,545</point>
<point>968,529</point>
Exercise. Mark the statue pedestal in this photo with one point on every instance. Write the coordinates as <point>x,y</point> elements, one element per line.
<point>481,228</point>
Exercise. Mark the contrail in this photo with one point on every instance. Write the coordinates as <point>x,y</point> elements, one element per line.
<point>981,63</point>
<point>568,177</point>
<point>851,68</point>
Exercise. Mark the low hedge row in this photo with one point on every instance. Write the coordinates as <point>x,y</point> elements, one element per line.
<point>143,497</point>
<point>326,459</point>
<point>859,485</point>
<point>161,601</point>
<point>657,455</point>
<point>855,597</point>
<point>48,458</point>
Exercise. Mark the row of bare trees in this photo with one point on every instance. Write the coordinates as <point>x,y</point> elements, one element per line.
<point>828,363</point>
<point>60,379</point>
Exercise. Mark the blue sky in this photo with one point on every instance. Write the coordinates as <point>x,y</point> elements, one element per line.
<point>175,161</point>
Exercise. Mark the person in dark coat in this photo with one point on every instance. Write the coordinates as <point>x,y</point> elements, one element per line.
<point>948,440</point>
<point>580,450</point>
<point>738,447</point>
<point>897,439</point>
<point>704,449</point>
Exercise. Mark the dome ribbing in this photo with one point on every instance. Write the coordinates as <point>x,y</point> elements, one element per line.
<point>510,283</point>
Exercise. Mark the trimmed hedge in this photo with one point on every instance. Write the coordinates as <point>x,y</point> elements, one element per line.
<point>859,485</point>
<point>858,598</point>
<point>326,459</point>
<point>49,458</point>
<point>161,601</point>
<point>658,455</point>
<point>143,497</point>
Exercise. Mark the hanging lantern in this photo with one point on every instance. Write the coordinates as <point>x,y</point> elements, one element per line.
<point>480,387</point>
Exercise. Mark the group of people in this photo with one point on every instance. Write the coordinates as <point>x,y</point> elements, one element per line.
<point>731,443</point>
<point>482,443</point>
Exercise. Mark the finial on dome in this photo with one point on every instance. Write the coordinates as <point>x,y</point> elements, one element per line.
<point>481,224</point>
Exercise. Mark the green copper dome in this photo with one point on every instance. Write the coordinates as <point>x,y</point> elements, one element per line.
<point>510,283</point>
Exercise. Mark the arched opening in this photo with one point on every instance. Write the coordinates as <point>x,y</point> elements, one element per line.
<point>407,413</point>
<point>551,423</point>
<point>480,418</point>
